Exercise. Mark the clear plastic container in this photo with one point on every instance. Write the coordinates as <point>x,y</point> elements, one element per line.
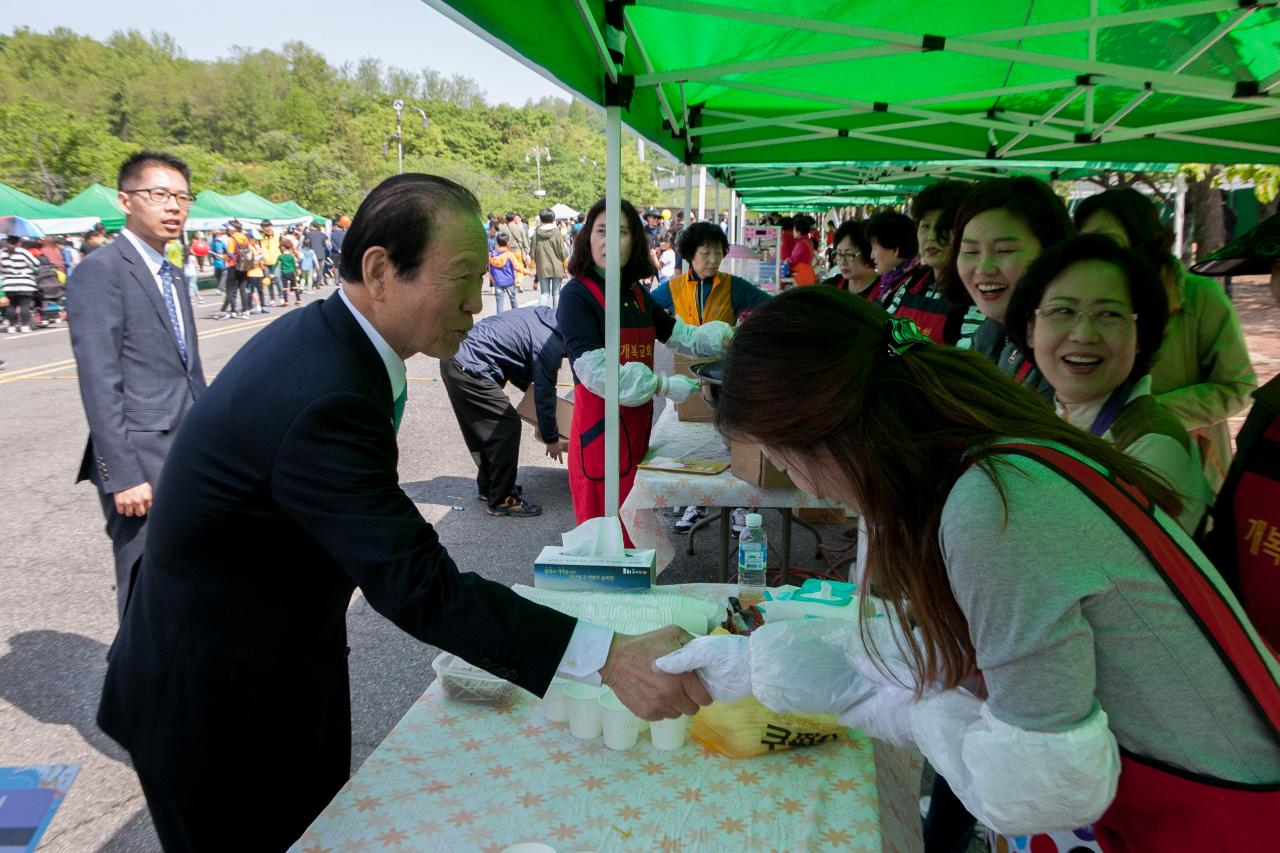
<point>463,682</point>
<point>753,560</point>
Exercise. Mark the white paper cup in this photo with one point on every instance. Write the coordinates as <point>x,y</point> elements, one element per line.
<point>668,734</point>
<point>529,847</point>
<point>555,705</point>
<point>584,710</point>
<point>621,727</point>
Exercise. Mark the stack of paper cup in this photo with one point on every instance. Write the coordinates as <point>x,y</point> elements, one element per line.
<point>668,734</point>
<point>584,710</point>
<point>555,705</point>
<point>621,727</point>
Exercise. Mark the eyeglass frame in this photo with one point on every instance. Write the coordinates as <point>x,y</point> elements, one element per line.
<point>1080,315</point>
<point>852,256</point>
<point>168,194</point>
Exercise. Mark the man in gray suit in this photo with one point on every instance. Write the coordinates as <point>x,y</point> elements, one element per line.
<point>134,339</point>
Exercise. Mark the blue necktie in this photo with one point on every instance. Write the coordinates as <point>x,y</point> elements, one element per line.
<point>167,273</point>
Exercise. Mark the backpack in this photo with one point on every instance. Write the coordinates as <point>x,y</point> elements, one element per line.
<point>245,256</point>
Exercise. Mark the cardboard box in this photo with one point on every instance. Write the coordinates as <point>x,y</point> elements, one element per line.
<point>821,515</point>
<point>695,408</point>
<point>564,411</point>
<point>748,462</point>
<point>633,570</point>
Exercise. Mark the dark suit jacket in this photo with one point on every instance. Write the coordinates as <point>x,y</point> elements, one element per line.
<point>133,383</point>
<point>279,498</point>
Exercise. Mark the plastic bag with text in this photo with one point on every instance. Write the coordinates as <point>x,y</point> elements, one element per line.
<point>746,728</point>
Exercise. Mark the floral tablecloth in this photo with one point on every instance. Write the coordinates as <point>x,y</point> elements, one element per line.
<point>458,777</point>
<point>660,489</point>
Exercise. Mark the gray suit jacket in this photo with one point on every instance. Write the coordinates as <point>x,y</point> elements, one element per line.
<point>133,383</point>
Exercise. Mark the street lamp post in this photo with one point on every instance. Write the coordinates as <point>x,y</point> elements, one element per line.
<point>538,155</point>
<point>399,106</point>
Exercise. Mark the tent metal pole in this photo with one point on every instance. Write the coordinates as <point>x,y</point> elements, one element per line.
<point>688,195</point>
<point>648,66</point>
<point>733,218</point>
<point>597,38</point>
<point>716,207</point>
<point>702,193</point>
<point>612,302</point>
<point>1179,215</point>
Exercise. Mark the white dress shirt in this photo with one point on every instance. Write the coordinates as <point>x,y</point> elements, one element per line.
<point>153,260</point>
<point>588,647</point>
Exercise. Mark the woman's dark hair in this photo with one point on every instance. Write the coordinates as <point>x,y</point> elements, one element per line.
<point>810,374</point>
<point>802,223</point>
<point>400,215</point>
<point>638,267</point>
<point>945,197</point>
<point>1032,201</point>
<point>855,230</point>
<point>1138,216</point>
<point>700,234</point>
<point>894,231</point>
<point>1146,292</point>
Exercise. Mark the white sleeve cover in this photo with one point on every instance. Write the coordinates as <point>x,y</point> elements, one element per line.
<point>1018,782</point>
<point>700,341</point>
<point>637,384</point>
<point>802,665</point>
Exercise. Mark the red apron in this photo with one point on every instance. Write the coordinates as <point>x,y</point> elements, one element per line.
<point>586,436</point>
<point>1159,808</point>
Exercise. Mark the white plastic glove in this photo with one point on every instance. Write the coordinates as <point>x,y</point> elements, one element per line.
<point>637,383</point>
<point>722,661</point>
<point>803,666</point>
<point>706,340</point>
<point>677,388</point>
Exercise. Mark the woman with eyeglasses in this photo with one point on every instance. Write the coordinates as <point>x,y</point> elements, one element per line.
<point>1091,316</point>
<point>1203,373</point>
<point>1050,637</point>
<point>855,272</point>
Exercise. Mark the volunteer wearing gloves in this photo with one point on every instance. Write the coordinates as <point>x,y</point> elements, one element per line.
<point>1074,658</point>
<point>580,318</point>
<point>704,293</point>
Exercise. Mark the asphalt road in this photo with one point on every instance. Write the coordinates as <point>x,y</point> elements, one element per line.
<point>57,605</point>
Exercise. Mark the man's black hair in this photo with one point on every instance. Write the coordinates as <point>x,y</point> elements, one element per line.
<point>131,169</point>
<point>400,214</point>
<point>547,215</point>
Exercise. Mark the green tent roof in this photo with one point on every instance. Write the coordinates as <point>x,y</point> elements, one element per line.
<point>100,201</point>
<point>212,209</point>
<point>725,82</point>
<point>49,218</point>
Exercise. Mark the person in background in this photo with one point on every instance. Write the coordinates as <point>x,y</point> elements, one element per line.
<point>703,295</point>
<point>922,299</point>
<point>269,245</point>
<point>580,319</point>
<point>307,264</point>
<point>51,252</point>
<point>92,240</point>
<point>1091,316</point>
<point>18,269</point>
<point>70,257</point>
<point>191,272</point>
<point>505,268</point>
<point>288,269</point>
<point>1052,641</point>
<point>1202,372</point>
<point>319,244</point>
<point>895,253</point>
<point>1002,225</point>
<point>666,259</point>
<point>787,237</point>
<point>852,255</point>
<point>521,347</point>
<point>654,231</point>
<point>254,275</point>
<point>799,260</point>
<point>1244,539</point>
<point>239,253</point>
<point>548,258</point>
<point>338,233</point>
<point>518,234</point>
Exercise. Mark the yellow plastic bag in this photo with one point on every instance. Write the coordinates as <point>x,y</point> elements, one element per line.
<point>746,728</point>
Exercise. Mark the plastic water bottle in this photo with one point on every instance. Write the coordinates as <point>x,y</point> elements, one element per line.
<point>753,557</point>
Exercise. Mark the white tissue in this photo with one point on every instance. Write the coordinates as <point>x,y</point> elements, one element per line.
<point>595,537</point>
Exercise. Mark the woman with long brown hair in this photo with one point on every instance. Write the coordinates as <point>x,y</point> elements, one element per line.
<point>1059,614</point>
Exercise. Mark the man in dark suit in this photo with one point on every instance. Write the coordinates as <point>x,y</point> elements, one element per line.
<point>233,649</point>
<point>134,339</point>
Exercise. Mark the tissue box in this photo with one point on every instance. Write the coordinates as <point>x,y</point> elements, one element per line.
<point>695,408</point>
<point>555,570</point>
<point>749,463</point>
<point>564,412</point>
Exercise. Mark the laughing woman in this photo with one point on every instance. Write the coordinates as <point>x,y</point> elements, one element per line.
<point>1112,677</point>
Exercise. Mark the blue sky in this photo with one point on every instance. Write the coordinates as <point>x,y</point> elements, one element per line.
<point>405,33</point>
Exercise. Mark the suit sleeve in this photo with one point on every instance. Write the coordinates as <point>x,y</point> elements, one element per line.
<point>335,477</point>
<point>546,371</point>
<point>95,312</point>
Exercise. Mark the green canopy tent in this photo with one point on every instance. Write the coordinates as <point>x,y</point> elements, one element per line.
<point>741,82</point>
<point>49,218</point>
<point>213,209</point>
<point>300,212</point>
<point>100,201</point>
